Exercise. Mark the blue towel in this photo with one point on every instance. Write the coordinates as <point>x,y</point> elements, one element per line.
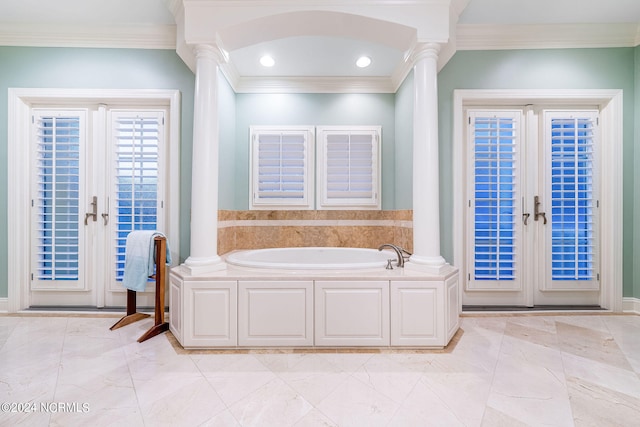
<point>139,260</point>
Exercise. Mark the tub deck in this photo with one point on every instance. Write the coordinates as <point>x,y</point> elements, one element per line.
<point>243,307</point>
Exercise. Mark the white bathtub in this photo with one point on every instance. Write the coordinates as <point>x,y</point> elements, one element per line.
<point>314,258</point>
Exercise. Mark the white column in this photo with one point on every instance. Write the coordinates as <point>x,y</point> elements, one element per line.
<point>426,191</point>
<point>203,256</point>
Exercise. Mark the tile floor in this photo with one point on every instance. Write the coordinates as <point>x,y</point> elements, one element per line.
<point>551,370</point>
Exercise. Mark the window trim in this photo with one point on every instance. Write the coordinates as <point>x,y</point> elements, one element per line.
<point>324,202</point>
<point>518,135</point>
<point>307,201</point>
<point>20,102</point>
<point>79,283</point>
<point>610,103</point>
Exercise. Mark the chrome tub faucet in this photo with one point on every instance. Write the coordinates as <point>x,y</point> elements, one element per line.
<point>401,253</point>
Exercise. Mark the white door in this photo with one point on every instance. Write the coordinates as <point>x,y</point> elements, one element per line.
<point>532,219</point>
<point>97,174</point>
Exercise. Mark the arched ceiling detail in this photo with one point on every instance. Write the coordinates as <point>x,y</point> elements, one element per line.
<point>317,23</point>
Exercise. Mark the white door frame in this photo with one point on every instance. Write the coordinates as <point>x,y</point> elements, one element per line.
<point>19,171</point>
<point>610,104</point>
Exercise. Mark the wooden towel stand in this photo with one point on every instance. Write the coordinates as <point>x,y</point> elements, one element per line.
<point>160,326</point>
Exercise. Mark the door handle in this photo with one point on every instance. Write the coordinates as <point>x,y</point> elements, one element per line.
<point>105,215</point>
<point>536,210</point>
<point>94,211</point>
<point>526,215</point>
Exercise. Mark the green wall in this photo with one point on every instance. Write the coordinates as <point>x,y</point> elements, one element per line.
<point>543,69</point>
<point>23,67</point>
<point>162,69</point>
<point>227,147</point>
<point>314,110</point>
<point>636,183</point>
<point>403,193</point>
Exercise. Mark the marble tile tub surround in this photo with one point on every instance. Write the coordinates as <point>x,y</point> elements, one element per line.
<point>508,370</point>
<point>256,229</point>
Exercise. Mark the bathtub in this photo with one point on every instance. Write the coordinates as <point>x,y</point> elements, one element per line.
<point>312,297</point>
<point>311,258</point>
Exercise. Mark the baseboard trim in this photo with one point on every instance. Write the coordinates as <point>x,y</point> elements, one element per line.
<point>631,305</point>
<point>4,305</point>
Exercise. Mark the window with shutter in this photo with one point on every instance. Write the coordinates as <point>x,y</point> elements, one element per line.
<point>494,199</point>
<point>57,194</point>
<point>281,167</point>
<point>572,199</point>
<point>349,167</point>
<point>136,142</point>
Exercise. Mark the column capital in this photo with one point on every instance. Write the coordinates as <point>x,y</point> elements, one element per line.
<point>424,51</point>
<point>211,51</point>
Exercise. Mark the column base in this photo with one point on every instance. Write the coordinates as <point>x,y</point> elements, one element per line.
<point>194,266</point>
<point>434,265</point>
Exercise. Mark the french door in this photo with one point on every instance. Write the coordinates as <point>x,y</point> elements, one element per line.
<point>97,174</point>
<point>532,234</point>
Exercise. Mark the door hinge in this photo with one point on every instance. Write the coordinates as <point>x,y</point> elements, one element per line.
<point>598,277</point>
<point>32,203</point>
<point>31,276</point>
<point>597,203</point>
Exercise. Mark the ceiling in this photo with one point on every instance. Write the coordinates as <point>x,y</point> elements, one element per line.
<point>312,55</point>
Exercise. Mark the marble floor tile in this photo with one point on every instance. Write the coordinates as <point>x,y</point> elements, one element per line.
<point>613,378</point>
<point>537,396</point>
<point>347,362</point>
<point>274,404</point>
<point>596,406</point>
<point>503,370</point>
<point>388,377</point>
<point>594,344</point>
<point>173,400</point>
<point>534,330</point>
<point>465,395</point>
<point>223,419</point>
<point>115,416</point>
<point>354,403</point>
<point>314,378</point>
<point>423,407</point>
<point>626,332</point>
<point>236,380</point>
<point>315,418</point>
<point>495,418</point>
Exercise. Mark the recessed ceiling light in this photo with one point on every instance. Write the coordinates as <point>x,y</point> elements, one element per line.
<point>363,61</point>
<point>267,61</point>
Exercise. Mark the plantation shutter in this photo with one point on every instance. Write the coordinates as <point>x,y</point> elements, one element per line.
<point>494,199</point>
<point>58,233</point>
<point>350,165</point>
<point>573,201</point>
<point>281,168</point>
<point>137,139</point>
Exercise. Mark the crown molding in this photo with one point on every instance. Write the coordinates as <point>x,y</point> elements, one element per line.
<point>313,84</point>
<point>552,36</point>
<point>95,36</point>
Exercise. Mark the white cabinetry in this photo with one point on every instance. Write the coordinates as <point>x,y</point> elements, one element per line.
<point>415,310</point>
<point>209,313</point>
<point>275,313</point>
<point>237,311</point>
<point>352,313</point>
